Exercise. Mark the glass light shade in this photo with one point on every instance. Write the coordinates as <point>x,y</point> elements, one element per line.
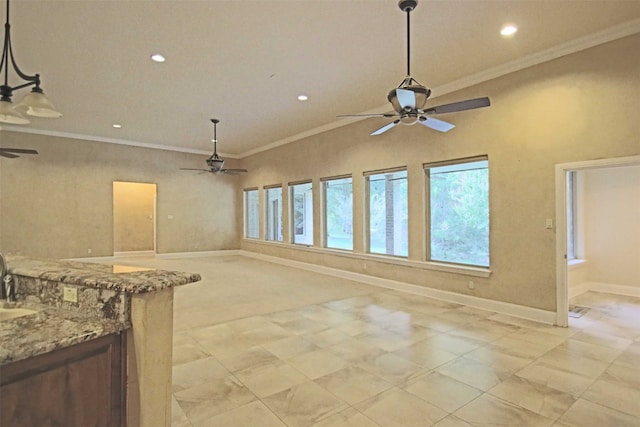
<point>215,163</point>
<point>8,114</point>
<point>38,105</point>
<point>421,95</point>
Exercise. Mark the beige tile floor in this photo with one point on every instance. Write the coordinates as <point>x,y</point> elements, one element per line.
<point>262,345</point>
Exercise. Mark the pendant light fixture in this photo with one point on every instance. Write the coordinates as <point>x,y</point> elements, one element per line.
<point>34,103</point>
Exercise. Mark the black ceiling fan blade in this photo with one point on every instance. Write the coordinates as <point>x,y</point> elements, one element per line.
<point>394,114</point>
<point>194,169</point>
<point>385,128</point>
<point>234,171</point>
<point>469,104</point>
<point>436,124</point>
<point>19,150</point>
<point>7,155</point>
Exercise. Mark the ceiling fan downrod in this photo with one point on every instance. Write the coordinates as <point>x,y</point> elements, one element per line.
<point>408,6</point>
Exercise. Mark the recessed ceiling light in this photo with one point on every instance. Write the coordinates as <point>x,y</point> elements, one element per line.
<point>508,30</point>
<point>302,97</point>
<point>157,57</point>
<point>117,125</point>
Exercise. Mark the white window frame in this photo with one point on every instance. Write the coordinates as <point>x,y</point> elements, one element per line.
<point>394,241</point>
<point>457,165</point>
<point>326,183</point>
<point>251,225</point>
<point>305,227</point>
<point>273,213</point>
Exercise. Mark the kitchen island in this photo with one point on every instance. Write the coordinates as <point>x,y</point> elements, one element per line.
<point>76,304</point>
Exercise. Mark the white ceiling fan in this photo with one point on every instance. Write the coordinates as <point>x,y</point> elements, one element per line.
<point>410,97</point>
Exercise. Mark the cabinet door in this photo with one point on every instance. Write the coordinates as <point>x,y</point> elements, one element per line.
<point>77,386</point>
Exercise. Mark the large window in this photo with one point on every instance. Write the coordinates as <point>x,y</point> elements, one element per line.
<point>301,202</point>
<point>273,200</point>
<point>387,212</point>
<point>251,214</point>
<point>338,213</point>
<point>459,212</point>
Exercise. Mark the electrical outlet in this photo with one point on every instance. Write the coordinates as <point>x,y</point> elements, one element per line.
<point>70,294</point>
<point>472,285</point>
<point>89,251</point>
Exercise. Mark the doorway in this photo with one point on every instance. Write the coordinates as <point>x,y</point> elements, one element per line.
<point>134,219</point>
<point>561,173</point>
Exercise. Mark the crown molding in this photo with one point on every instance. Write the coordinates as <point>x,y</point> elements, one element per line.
<point>573,46</point>
<point>45,132</point>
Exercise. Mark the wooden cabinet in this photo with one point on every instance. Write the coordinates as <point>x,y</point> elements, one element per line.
<point>79,386</point>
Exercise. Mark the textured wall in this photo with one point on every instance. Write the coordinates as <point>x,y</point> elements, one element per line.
<point>60,203</point>
<point>579,107</point>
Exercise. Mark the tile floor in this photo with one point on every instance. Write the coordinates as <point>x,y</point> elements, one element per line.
<point>264,345</point>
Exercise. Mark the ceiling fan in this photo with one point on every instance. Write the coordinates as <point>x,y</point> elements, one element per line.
<point>10,153</point>
<point>214,162</point>
<point>410,97</point>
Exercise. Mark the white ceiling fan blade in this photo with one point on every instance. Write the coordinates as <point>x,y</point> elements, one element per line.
<point>385,128</point>
<point>406,98</point>
<point>436,124</point>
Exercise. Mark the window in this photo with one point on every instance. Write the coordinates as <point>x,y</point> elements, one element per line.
<point>251,214</point>
<point>575,181</point>
<point>571,215</point>
<point>387,212</point>
<point>459,212</point>
<point>302,213</point>
<point>338,213</point>
<point>273,200</point>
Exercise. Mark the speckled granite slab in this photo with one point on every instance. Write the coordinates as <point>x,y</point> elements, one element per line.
<point>96,302</point>
<point>49,329</point>
<point>102,276</point>
<point>103,306</point>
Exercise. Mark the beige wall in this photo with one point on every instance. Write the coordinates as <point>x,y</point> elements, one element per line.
<point>579,107</point>
<point>60,203</point>
<point>133,216</point>
<point>612,225</point>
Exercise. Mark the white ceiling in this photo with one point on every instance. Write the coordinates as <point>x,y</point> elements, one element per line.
<point>245,62</point>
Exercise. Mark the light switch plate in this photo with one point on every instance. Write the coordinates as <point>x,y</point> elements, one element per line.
<point>70,294</point>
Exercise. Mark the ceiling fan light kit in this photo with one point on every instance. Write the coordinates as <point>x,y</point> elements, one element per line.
<point>35,103</point>
<point>410,97</point>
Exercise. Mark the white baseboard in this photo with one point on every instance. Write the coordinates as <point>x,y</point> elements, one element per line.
<point>529,313</point>
<point>609,288</point>
<point>612,288</point>
<point>134,254</point>
<point>170,255</point>
<point>92,259</point>
<point>174,255</point>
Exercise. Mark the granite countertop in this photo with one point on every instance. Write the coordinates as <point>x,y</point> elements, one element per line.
<point>49,329</point>
<point>102,276</point>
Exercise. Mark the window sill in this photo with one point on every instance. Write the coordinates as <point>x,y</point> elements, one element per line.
<point>575,264</point>
<point>392,260</point>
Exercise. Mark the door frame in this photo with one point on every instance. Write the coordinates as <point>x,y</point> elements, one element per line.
<point>155,219</point>
<point>561,169</point>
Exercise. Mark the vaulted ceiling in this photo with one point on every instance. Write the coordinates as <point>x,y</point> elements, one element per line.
<point>246,62</point>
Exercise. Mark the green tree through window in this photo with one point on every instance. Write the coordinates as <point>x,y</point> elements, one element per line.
<point>339,213</point>
<point>459,213</point>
